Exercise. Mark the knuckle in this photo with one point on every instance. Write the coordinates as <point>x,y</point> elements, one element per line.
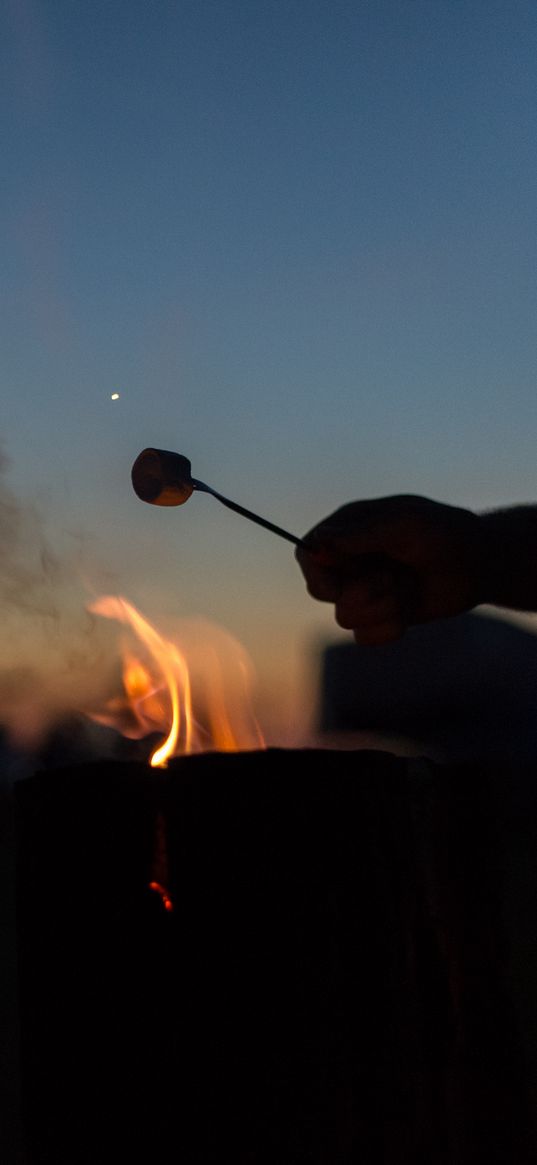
<point>321,586</point>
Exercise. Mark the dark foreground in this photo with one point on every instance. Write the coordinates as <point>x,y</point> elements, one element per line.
<point>338,981</point>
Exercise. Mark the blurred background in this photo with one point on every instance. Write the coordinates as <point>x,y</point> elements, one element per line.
<point>299,241</point>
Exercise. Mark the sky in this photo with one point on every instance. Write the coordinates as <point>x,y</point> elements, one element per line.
<point>299,239</point>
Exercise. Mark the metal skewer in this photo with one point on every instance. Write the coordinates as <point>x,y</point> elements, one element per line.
<point>163,478</point>
<point>247,513</point>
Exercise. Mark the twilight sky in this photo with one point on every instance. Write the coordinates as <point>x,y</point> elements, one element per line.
<point>299,238</point>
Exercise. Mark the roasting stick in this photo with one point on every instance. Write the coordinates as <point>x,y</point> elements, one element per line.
<point>247,513</point>
<point>163,478</point>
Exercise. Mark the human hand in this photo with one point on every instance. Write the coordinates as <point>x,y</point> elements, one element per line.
<point>392,562</point>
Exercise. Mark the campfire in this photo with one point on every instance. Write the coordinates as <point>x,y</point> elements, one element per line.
<point>229,952</point>
<point>158,680</point>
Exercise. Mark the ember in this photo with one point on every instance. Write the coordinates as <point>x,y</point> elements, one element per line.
<point>165,899</point>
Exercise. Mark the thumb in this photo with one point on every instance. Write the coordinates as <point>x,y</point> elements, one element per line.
<point>333,546</point>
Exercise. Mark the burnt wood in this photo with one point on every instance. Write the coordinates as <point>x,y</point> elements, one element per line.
<point>330,987</point>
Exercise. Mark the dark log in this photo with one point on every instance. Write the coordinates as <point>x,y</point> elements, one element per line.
<point>330,987</point>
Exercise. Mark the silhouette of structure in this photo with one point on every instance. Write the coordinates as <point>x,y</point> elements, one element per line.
<point>458,689</point>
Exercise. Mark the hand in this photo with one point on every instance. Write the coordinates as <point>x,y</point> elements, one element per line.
<point>392,562</point>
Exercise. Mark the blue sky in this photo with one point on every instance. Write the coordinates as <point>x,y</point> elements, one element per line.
<point>299,238</point>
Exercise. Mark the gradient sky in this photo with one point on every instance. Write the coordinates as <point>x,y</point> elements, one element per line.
<point>299,239</point>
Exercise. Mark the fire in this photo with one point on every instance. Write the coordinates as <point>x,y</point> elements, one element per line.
<point>158,688</point>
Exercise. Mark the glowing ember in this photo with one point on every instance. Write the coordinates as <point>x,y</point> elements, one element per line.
<point>158,688</point>
<point>163,894</point>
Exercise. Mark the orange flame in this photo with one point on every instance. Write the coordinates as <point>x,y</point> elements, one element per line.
<point>158,690</point>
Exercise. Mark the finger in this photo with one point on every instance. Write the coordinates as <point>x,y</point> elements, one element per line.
<point>360,607</point>
<point>368,580</point>
<point>380,633</point>
<point>368,569</point>
<point>331,544</point>
<point>323,584</point>
<point>364,527</point>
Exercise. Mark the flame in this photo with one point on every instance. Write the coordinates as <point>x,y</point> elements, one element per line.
<point>158,690</point>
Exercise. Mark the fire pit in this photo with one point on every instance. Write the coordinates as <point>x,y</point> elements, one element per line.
<point>328,987</point>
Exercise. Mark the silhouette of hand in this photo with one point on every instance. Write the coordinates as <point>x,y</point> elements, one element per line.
<point>392,562</point>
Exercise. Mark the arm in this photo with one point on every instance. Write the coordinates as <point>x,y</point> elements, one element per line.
<point>392,562</point>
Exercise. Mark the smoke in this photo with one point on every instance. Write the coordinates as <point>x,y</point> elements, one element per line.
<point>29,569</point>
<point>55,657</point>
